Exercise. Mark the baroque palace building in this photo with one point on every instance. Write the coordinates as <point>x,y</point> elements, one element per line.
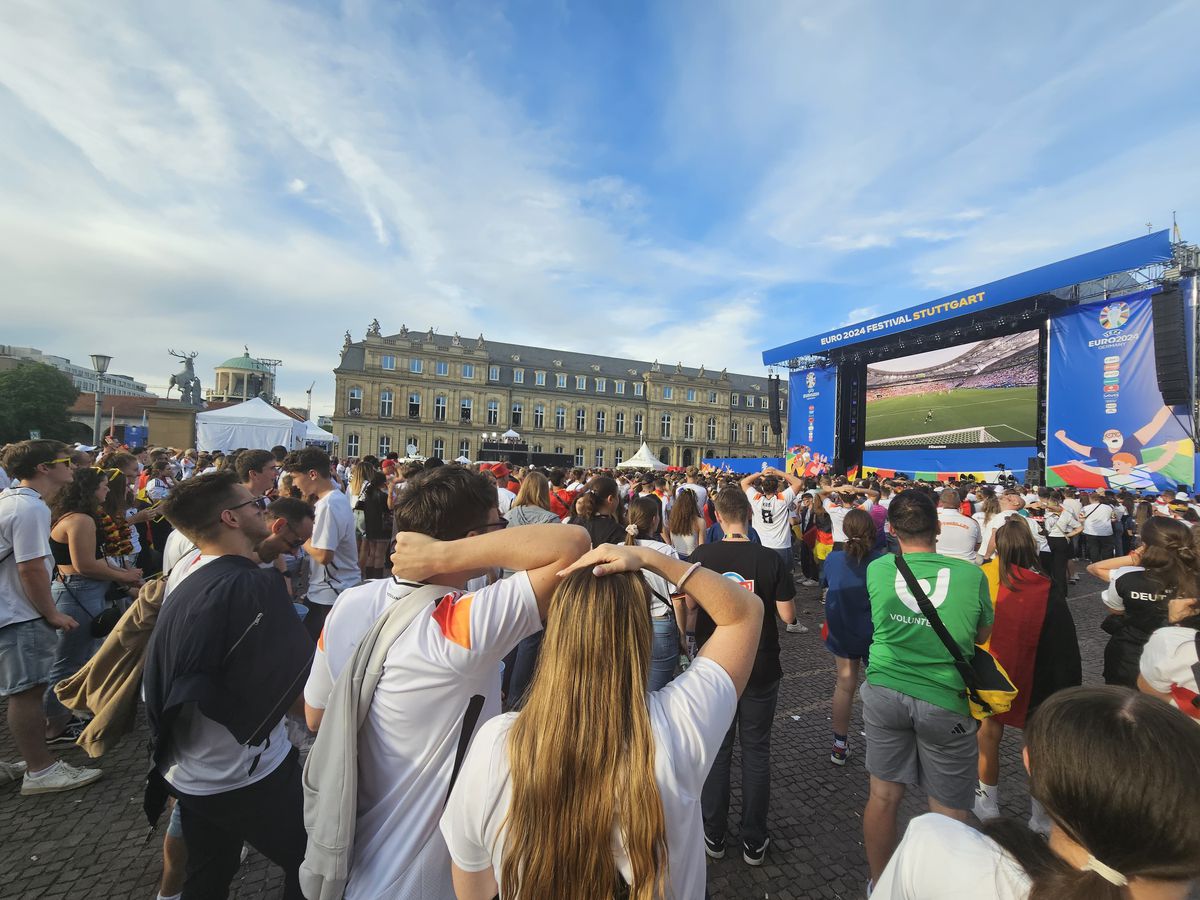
<point>440,394</point>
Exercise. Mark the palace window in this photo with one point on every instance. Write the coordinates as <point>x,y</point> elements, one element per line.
<point>386,401</point>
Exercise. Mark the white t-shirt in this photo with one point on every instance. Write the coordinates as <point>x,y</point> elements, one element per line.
<point>959,537</point>
<point>699,490</point>
<point>25,532</point>
<point>175,548</point>
<point>407,744</point>
<point>942,859</point>
<point>1061,524</point>
<point>657,582</point>
<point>333,529</point>
<point>772,517</point>
<point>157,489</point>
<point>1074,505</point>
<point>837,519</point>
<point>1167,661</point>
<point>1110,596</point>
<point>505,498</point>
<point>1000,518</point>
<point>689,718</point>
<point>1097,519</point>
<point>204,757</point>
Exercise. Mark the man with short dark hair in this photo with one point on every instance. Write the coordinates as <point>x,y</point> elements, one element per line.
<point>28,615</point>
<point>257,470</point>
<point>332,550</point>
<point>443,666</point>
<point>226,660</point>
<point>918,724</point>
<point>762,571</point>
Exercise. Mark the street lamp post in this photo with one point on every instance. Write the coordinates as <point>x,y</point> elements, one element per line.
<point>100,364</point>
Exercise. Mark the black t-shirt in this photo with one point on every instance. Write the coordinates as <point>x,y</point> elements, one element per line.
<point>602,529</point>
<point>762,571</point>
<point>1146,600</point>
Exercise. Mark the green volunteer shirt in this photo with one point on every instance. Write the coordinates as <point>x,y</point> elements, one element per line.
<point>906,654</point>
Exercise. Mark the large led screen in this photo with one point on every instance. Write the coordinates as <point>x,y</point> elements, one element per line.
<point>970,395</point>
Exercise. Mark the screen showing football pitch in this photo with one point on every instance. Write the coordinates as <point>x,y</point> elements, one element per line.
<point>970,395</point>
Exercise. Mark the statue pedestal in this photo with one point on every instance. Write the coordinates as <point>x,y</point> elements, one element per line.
<point>172,424</point>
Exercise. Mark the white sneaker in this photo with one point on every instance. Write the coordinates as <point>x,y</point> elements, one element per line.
<point>11,771</point>
<point>808,582</point>
<point>985,807</point>
<point>59,777</point>
<point>797,628</point>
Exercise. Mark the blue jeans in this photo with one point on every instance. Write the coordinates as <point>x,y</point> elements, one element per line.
<point>664,653</point>
<point>752,726</point>
<point>82,599</point>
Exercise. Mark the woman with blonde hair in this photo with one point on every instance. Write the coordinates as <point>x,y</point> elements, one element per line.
<point>532,505</point>
<point>595,785</point>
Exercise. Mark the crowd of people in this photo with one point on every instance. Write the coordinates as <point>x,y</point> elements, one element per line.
<point>424,679</point>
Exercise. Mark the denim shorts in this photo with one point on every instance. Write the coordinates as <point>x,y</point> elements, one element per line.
<point>27,651</point>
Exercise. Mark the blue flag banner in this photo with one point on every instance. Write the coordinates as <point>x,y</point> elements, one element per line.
<point>1107,425</point>
<point>812,420</point>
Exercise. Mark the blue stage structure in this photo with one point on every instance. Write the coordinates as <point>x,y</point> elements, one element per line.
<point>1101,339</point>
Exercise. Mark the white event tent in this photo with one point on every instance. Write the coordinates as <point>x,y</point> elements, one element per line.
<point>643,459</point>
<point>254,423</point>
<point>315,434</point>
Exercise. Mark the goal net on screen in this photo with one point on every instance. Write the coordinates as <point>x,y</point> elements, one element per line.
<point>979,435</point>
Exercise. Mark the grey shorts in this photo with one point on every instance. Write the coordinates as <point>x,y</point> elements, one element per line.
<point>910,741</point>
<point>27,651</point>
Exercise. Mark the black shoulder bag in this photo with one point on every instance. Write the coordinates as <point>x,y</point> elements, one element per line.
<point>989,690</point>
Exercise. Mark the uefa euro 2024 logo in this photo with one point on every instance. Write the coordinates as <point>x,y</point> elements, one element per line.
<point>1114,315</point>
<point>810,380</point>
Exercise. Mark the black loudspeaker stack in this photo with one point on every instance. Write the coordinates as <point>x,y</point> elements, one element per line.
<point>1034,473</point>
<point>1170,347</point>
<point>773,391</point>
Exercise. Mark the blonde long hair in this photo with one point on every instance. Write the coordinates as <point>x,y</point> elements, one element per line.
<point>576,774</point>
<point>360,476</point>
<point>535,491</point>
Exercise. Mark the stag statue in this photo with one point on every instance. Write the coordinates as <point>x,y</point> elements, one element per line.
<point>185,379</point>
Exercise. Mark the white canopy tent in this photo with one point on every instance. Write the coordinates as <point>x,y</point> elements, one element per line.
<point>315,434</point>
<point>254,423</point>
<point>643,459</point>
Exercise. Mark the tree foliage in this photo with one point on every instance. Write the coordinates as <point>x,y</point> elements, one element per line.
<point>36,397</point>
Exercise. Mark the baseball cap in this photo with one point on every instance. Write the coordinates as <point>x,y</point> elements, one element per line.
<point>1182,495</point>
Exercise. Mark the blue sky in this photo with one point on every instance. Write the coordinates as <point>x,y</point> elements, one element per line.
<point>678,181</point>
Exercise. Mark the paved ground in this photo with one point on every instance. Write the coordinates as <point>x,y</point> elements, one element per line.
<point>93,842</point>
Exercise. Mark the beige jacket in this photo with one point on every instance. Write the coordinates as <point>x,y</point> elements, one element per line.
<point>108,685</point>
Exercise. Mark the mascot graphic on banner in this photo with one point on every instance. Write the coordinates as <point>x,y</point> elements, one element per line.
<point>802,462</point>
<point>1105,404</point>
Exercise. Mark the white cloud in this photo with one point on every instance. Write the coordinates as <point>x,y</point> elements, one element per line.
<point>160,128</point>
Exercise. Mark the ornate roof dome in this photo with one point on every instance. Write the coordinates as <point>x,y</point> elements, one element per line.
<point>245,361</point>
